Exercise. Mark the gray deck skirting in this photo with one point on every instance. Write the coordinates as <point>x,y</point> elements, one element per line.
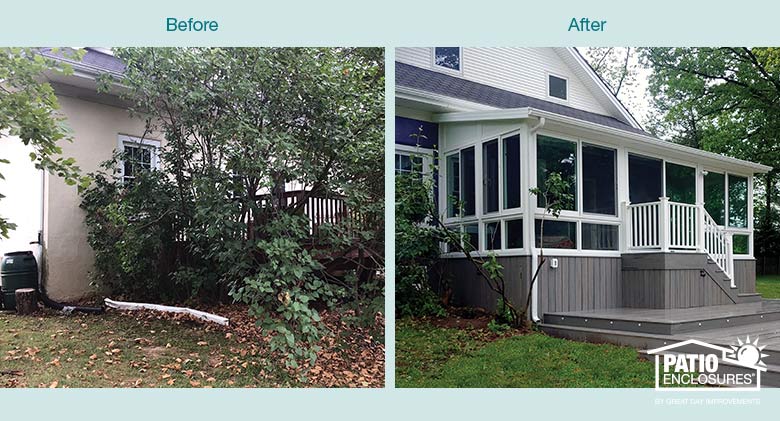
<point>582,283</point>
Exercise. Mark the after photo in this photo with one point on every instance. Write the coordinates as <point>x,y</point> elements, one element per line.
<point>587,217</point>
<point>192,217</point>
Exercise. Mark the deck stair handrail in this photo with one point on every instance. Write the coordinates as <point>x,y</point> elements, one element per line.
<point>664,225</point>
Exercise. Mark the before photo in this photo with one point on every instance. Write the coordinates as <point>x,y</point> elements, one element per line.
<point>192,217</point>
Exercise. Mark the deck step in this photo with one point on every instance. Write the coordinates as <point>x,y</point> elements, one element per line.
<point>667,322</point>
<point>749,297</point>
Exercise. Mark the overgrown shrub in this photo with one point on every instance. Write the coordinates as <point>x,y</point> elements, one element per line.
<point>132,231</point>
<point>218,216</point>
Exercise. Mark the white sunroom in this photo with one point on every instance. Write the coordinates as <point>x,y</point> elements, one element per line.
<point>633,193</point>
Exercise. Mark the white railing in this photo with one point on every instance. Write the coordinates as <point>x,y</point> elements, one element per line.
<point>665,226</point>
<point>717,244</point>
<point>643,228</point>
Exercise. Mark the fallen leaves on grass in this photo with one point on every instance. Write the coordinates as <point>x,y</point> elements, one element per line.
<point>350,356</point>
<point>132,349</point>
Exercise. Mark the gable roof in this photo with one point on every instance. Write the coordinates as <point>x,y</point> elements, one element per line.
<point>442,84</point>
<point>572,57</point>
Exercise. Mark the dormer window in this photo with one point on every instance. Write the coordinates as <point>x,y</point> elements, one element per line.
<point>557,87</point>
<point>447,57</point>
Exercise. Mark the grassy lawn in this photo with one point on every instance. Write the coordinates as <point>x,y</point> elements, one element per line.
<point>768,286</point>
<point>144,350</point>
<point>431,356</point>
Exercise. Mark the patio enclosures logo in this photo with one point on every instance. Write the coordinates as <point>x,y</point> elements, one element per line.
<point>698,365</point>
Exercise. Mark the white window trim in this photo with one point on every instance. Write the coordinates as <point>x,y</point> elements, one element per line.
<point>443,69</point>
<point>417,151</point>
<point>151,144</point>
<point>547,87</point>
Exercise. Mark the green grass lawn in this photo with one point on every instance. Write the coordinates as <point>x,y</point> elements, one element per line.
<point>431,356</point>
<point>116,350</point>
<point>768,286</point>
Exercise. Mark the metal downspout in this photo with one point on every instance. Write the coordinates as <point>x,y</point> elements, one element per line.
<point>534,257</point>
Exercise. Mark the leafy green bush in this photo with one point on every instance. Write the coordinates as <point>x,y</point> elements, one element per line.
<point>413,294</point>
<point>132,231</point>
<point>416,247</point>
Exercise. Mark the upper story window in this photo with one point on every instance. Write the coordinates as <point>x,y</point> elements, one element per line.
<point>137,155</point>
<point>557,87</point>
<point>447,57</point>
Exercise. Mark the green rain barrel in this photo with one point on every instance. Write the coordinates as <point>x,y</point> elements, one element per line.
<point>17,270</point>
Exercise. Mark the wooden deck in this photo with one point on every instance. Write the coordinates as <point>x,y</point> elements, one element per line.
<point>646,329</point>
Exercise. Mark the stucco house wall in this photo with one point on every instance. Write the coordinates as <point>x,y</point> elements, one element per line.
<point>67,257</point>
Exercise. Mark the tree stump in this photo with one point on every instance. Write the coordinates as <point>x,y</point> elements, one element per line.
<point>26,301</point>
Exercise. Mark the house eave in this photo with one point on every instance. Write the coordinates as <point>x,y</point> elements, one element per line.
<point>635,138</point>
<point>445,103</point>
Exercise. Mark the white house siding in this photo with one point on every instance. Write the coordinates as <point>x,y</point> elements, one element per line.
<point>520,70</point>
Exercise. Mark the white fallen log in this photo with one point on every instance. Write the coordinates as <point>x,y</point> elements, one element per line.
<point>122,305</point>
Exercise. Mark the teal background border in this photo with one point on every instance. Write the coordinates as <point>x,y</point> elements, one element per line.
<point>390,24</point>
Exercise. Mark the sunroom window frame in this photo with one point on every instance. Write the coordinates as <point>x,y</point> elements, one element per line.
<point>480,217</point>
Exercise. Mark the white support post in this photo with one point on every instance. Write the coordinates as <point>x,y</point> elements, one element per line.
<point>625,239</point>
<point>730,259</point>
<point>700,227</point>
<point>664,229</point>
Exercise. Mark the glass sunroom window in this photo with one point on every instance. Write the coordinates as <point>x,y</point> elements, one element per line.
<point>557,234</point>
<point>740,244</point>
<point>556,156</point>
<point>453,184</point>
<point>598,180</point>
<point>514,233</point>
<point>493,235</point>
<point>738,215</point>
<point>680,183</point>
<point>472,237</point>
<point>599,237</point>
<point>715,196</point>
<point>490,176</point>
<point>645,179</point>
<point>512,191</point>
<point>467,177</point>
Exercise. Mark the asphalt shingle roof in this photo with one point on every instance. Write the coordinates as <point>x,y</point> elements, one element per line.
<point>442,84</point>
<point>92,57</point>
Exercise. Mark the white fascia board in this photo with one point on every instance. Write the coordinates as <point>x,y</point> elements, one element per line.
<point>454,104</point>
<point>636,139</point>
<point>642,139</point>
<point>500,114</point>
<point>600,84</point>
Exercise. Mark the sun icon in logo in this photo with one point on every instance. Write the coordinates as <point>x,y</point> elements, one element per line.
<point>749,353</point>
